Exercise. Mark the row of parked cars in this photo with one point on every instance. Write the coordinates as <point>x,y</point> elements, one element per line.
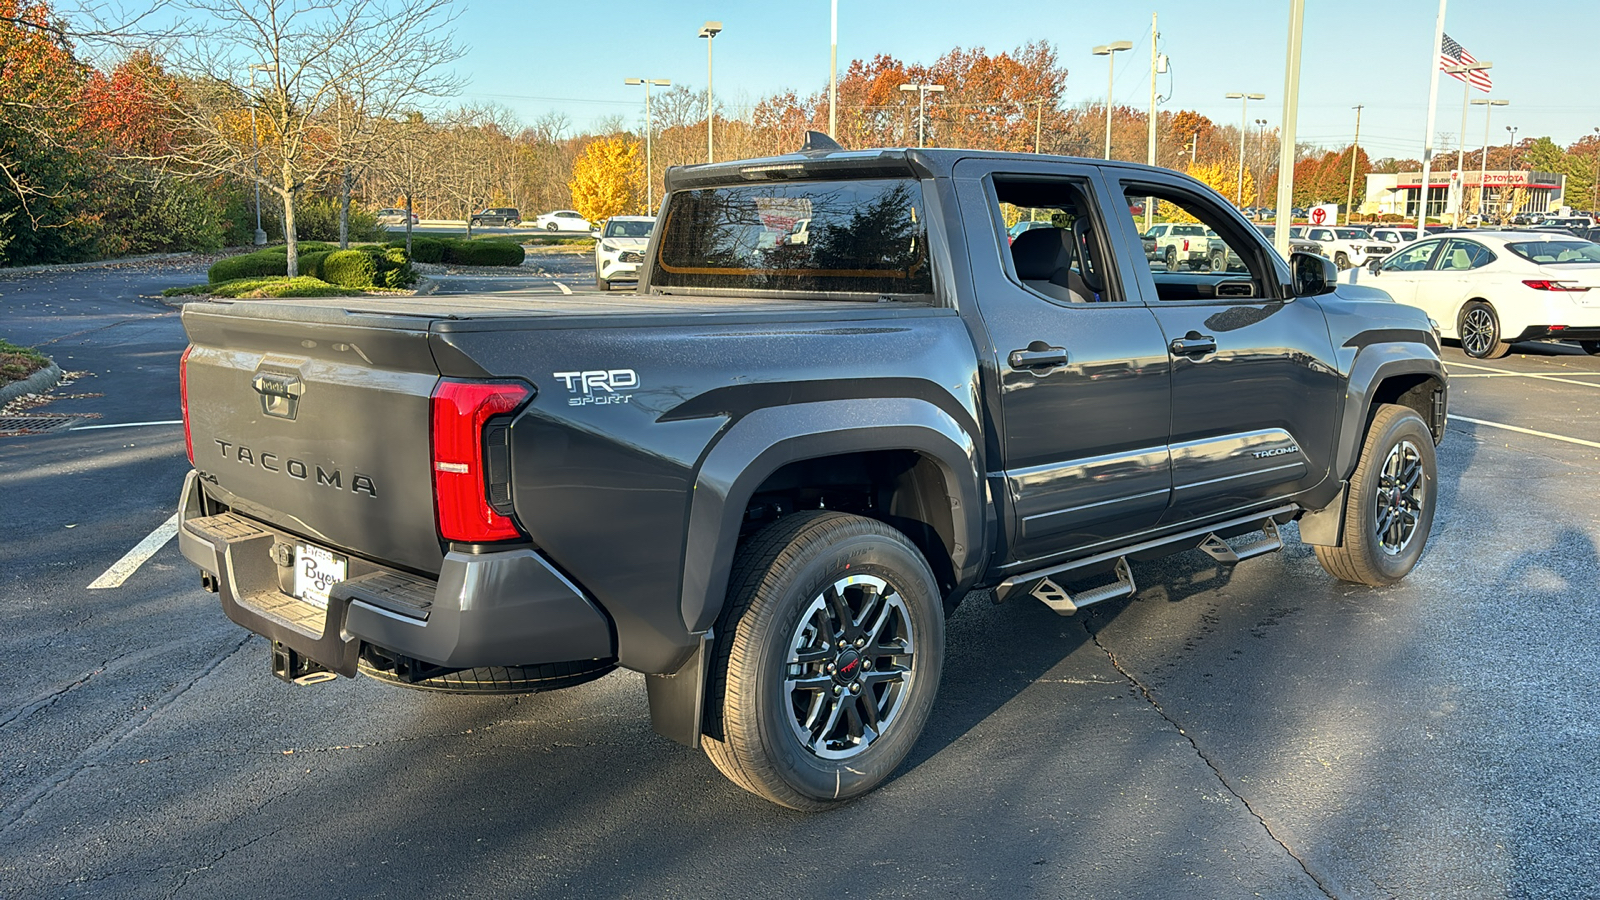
<point>558,220</point>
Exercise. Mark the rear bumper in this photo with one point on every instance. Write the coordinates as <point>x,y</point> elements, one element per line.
<point>501,608</point>
<point>1546,333</point>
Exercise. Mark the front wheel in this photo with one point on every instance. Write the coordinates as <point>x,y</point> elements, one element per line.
<point>1389,503</point>
<point>828,657</point>
<point>1342,260</point>
<point>1480,332</point>
<point>552,227</point>
<point>1590,347</point>
<point>601,283</point>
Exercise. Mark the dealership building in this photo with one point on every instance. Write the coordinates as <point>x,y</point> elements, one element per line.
<point>1399,194</point>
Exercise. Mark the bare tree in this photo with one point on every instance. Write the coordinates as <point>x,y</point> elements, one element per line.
<point>330,70</point>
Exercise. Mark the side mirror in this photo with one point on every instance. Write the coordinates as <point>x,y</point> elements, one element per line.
<point>1374,264</point>
<point>1313,275</point>
<point>595,233</point>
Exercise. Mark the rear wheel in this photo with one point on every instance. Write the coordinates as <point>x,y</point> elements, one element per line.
<point>1480,332</point>
<point>552,227</point>
<point>1590,347</point>
<point>828,658</point>
<point>1389,504</point>
<point>1171,259</point>
<point>1219,262</point>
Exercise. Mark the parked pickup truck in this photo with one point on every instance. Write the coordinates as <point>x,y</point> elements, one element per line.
<point>766,479</point>
<point>1177,243</point>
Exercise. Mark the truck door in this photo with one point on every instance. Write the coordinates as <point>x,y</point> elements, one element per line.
<point>1254,379</point>
<point>1076,368</point>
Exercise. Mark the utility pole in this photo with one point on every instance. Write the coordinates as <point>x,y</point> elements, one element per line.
<point>1038,123</point>
<point>833,76</point>
<point>1355,150</point>
<point>1291,112</point>
<point>1150,149</point>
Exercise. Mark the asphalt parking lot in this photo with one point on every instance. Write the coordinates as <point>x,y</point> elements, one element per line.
<point>1263,731</point>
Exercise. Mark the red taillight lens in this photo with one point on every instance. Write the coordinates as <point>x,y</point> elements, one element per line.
<point>183,393</point>
<point>461,409</point>
<point>1540,284</point>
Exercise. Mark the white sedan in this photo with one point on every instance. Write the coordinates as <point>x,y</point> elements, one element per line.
<point>563,220</point>
<point>1488,289</point>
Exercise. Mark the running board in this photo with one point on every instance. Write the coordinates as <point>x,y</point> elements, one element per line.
<point>1158,546</point>
<point>1227,554</point>
<point>1056,597</point>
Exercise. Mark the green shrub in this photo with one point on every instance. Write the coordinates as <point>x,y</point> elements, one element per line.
<point>317,218</point>
<point>484,253</point>
<point>281,286</point>
<point>303,247</point>
<point>348,268</point>
<point>394,269</point>
<point>311,263</point>
<point>260,264</point>
<point>423,249</point>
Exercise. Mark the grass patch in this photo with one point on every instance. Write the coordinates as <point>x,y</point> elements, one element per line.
<point>269,286</point>
<point>17,363</point>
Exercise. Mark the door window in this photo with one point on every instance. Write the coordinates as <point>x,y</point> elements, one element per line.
<point>1411,259</point>
<point>1461,255</point>
<point>1201,252</point>
<point>1061,255</point>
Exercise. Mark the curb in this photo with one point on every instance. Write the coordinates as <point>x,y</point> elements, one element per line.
<point>42,380</point>
<point>426,285</point>
<point>94,264</point>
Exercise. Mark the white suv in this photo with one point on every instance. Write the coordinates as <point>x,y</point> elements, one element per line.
<point>1347,247</point>
<point>619,249</point>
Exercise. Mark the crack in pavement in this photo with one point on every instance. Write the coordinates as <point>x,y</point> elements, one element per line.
<point>47,699</point>
<point>13,813</point>
<point>183,881</point>
<point>1209,761</point>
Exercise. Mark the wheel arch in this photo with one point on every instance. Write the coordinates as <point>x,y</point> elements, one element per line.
<point>1390,372</point>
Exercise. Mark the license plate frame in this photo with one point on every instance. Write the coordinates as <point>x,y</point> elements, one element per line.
<point>316,571</point>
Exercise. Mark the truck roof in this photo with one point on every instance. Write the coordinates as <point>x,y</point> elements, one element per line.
<point>880,161</point>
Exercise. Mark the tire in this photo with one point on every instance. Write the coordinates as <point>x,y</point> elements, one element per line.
<point>1395,476</point>
<point>501,679</point>
<point>552,227</point>
<point>1590,347</point>
<point>1171,258</point>
<point>1479,329</point>
<point>1342,260</point>
<point>601,283</point>
<point>1219,262</point>
<point>796,588</point>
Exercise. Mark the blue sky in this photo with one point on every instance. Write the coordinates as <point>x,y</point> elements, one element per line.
<point>535,56</point>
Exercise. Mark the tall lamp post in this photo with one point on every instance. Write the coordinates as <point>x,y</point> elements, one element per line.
<point>649,176</point>
<point>833,73</point>
<point>1109,51</point>
<point>255,144</point>
<point>1244,119</point>
<point>922,103</point>
<point>709,31</point>
<point>1483,161</point>
<point>1596,171</point>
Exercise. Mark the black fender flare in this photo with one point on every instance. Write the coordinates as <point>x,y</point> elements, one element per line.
<point>1373,365</point>
<point>769,438</point>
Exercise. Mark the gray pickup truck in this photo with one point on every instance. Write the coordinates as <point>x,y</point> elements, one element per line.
<point>766,479</point>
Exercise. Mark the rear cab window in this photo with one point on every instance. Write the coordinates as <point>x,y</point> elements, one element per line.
<point>854,239</point>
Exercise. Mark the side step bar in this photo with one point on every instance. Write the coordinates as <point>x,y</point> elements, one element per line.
<point>1056,597</point>
<point>1227,554</point>
<point>1047,588</point>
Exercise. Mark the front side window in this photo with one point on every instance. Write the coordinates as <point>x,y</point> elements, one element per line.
<point>1203,255</point>
<point>1411,259</point>
<point>866,236</point>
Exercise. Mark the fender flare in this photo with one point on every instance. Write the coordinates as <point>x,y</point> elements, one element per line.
<point>1373,365</point>
<point>769,438</point>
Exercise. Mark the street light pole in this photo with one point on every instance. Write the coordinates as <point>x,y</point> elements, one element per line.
<point>1109,51</point>
<point>649,174</point>
<point>1483,161</point>
<point>833,75</point>
<point>709,31</point>
<point>255,145</point>
<point>1244,120</point>
<point>922,103</point>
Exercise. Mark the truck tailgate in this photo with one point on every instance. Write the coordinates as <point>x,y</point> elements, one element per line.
<point>315,419</point>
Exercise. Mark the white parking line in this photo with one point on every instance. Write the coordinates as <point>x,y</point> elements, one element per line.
<point>564,288</point>
<point>1525,374</point>
<point>1544,434</point>
<point>126,425</point>
<point>133,559</point>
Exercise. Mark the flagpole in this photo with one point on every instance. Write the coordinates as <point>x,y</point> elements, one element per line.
<point>1433,109</point>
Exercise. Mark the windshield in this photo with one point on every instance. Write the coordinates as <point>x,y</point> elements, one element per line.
<point>1350,234</point>
<point>1556,252</point>
<point>866,236</point>
<point>632,229</point>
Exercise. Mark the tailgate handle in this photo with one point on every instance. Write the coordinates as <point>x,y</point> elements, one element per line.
<point>280,393</point>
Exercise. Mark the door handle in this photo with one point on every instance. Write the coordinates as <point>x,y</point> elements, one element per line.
<point>1193,344</point>
<point>1038,356</point>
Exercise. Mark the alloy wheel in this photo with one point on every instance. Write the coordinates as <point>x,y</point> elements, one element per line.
<point>850,668</point>
<point>1399,497</point>
<point>1478,331</point>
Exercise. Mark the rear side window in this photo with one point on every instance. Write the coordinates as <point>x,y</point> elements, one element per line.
<point>835,237</point>
<point>1556,252</point>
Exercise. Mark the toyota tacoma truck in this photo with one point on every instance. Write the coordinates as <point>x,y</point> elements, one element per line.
<point>766,480</point>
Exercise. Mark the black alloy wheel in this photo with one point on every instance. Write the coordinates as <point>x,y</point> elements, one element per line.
<point>1480,332</point>
<point>1342,260</point>
<point>1389,502</point>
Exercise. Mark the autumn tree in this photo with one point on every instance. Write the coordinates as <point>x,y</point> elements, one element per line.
<point>1223,178</point>
<point>606,178</point>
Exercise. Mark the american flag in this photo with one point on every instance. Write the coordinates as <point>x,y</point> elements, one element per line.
<point>1453,54</point>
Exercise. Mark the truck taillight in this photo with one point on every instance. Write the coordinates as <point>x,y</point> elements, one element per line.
<point>471,476</point>
<point>183,394</point>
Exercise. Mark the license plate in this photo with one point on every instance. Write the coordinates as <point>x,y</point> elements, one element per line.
<point>316,571</point>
